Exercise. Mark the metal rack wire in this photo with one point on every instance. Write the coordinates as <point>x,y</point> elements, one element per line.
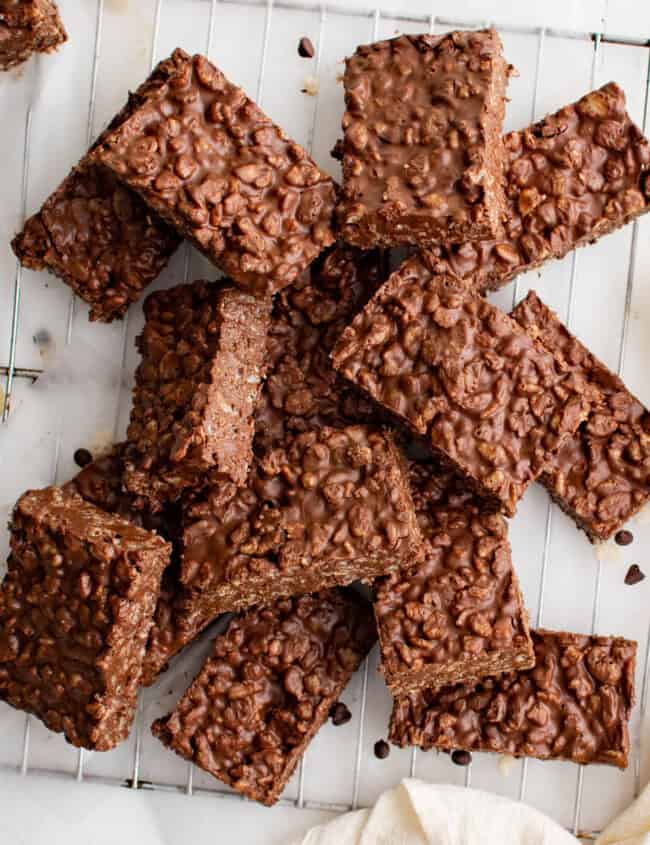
<point>541,37</point>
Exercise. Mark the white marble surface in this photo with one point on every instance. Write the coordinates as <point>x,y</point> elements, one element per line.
<point>85,396</point>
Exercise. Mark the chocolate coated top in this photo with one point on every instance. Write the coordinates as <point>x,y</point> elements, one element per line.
<point>570,178</point>
<point>575,705</point>
<point>175,622</point>
<point>267,688</point>
<point>487,396</point>
<point>19,9</point>
<point>75,610</point>
<point>335,496</point>
<point>209,161</point>
<point>28,27</point>
<point>601,475</point>
<point>463,601</point>
<point>96,234</point>
<point>302,390</point>
<point>422,153</point>
<point>62,510</point>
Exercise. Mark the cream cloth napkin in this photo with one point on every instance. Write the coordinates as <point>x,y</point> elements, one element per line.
<point>632,827</point>
<point>419,813</point>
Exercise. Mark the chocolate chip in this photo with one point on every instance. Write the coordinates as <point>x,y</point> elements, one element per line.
<point>339,714</point>
<point>624,538</point>
<point>42,337</point>
<point>337,150</point>
<point>306,48</point>
<point>382,749</point>
<point>461,758</point>
<point>82,457</point>
<point>634,575</point>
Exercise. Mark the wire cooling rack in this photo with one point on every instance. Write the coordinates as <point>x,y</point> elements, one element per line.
<point>52,110</point>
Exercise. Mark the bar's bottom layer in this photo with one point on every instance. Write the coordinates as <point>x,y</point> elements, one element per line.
<point>465,671</point>
<point>267,587</point>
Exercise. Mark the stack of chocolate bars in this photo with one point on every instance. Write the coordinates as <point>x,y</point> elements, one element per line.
<point>309,421</point>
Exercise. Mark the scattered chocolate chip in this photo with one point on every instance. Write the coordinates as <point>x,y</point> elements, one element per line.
<point>306,48</point>
<point>337,150</point>
<point>382,749</point>
<point>82,457</point>
<point>634,575</point>
<point>461,758</point>
<point>339,714</point>
<point>42,337</point>
<point>624,538</point>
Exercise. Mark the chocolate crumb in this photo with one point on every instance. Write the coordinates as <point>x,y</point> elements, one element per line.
<point>310,86</point>
<point>624,538</point>
<point>82,457</point>
<point>382,749</point>
<point>339,714</point>
<point>306,48</point>
<point>461,758</point>
<point>634,575</point>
